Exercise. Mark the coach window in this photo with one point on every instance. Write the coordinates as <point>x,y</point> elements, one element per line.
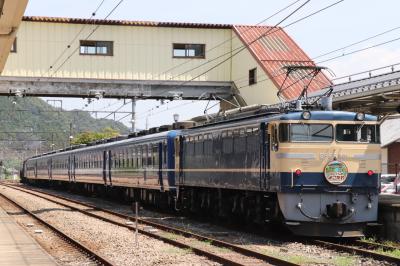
<point>138,157</point>
<point>134,158</point>
<point>155,156</point>
<point>123,155</point>
<point>144,155</point>
<point>149,156</point>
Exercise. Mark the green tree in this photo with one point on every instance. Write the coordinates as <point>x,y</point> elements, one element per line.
<point>89,136</point>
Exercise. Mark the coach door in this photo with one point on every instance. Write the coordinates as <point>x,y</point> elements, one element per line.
<point>160,164</point>
<point>49,169</point>
<point>74,161</point>
<point>107,168</point>
<point>265,160</point>
<point>35,170</point>
<point>69,169</point>
<point>178,160</point>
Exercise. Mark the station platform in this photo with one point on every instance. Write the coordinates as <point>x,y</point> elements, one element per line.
<point>389,200</point>
<point>389,216</point>
<point>17,247</point>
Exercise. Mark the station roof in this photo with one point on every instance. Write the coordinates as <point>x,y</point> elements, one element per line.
<point>125,22</point>
<point>274,49</point>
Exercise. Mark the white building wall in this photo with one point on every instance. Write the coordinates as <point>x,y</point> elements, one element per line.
<point>264,91</point>
<point>143,53</point>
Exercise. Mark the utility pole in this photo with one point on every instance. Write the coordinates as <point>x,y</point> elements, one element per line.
<point>133,129</point>
<point>52,141</point>
<point>70,134</point>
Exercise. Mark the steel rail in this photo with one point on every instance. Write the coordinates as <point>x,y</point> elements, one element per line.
<point>212,241</point>
<point>84,249</point>
<point>366,244</point>
<point>357,250</point>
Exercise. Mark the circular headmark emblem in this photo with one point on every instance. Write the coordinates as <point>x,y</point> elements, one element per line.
<point>336,172</point>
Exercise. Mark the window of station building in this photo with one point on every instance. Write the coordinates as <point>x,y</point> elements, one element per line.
<point>14,46</point>
<point>252,76</point>
<point>184,50</point>
<point>97,48</point>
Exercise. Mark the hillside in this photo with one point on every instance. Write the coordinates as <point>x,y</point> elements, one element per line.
<point>30,126</point>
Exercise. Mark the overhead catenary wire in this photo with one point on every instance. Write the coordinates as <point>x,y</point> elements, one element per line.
<point>359,50</point>
<point>94,13</point>
<point>228,40</point>
<point>245,46</point>
<point>239,49</point>
<point>87,37</point>
<point>357,42</point>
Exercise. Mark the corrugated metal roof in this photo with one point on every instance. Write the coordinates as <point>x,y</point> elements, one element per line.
<point>125,22</point>
<point>276,50</point>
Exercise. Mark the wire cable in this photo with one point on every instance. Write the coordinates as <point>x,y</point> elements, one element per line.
<point>271,30</point>
<point>228,40</point>
<point>359,50</point>
<point>357,42</point>
<point>90,34</point>
<point>74,39</point>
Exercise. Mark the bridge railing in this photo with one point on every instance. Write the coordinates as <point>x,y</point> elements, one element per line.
<point>367,74</point>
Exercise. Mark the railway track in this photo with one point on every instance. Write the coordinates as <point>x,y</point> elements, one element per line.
<point>88,209</point>
<point>361,248</point>
<point>98,259</point>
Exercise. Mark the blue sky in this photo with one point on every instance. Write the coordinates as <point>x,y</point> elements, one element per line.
<point>345,23</point>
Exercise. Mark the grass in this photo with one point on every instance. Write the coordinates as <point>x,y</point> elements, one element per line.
<point>178,251</point>
<point>170,236</point>
<point>343,261</point>
<point>297,259</point>
<point>393,253</point>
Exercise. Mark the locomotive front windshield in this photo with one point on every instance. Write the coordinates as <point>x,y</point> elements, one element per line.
<point>354,133</point>
<point>306,132</point>
<point>357,133</point>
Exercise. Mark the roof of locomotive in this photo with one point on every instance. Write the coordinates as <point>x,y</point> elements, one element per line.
<point>327,115</point>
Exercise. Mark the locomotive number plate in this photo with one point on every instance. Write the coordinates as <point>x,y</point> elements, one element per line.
<point>336,172</point>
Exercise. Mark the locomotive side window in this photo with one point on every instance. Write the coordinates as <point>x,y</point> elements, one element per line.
<point>274,138</point>
<point>358,133</point>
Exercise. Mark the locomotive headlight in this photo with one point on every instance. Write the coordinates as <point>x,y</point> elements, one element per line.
<point>360,116</point>
<point>306,115</point>
<point>370,172</point>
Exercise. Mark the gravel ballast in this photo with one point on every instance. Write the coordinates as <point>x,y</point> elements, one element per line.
<point>115,243</point>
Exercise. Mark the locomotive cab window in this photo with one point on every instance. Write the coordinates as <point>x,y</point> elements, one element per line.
<point>358,133</point>
<point>305,133</point>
